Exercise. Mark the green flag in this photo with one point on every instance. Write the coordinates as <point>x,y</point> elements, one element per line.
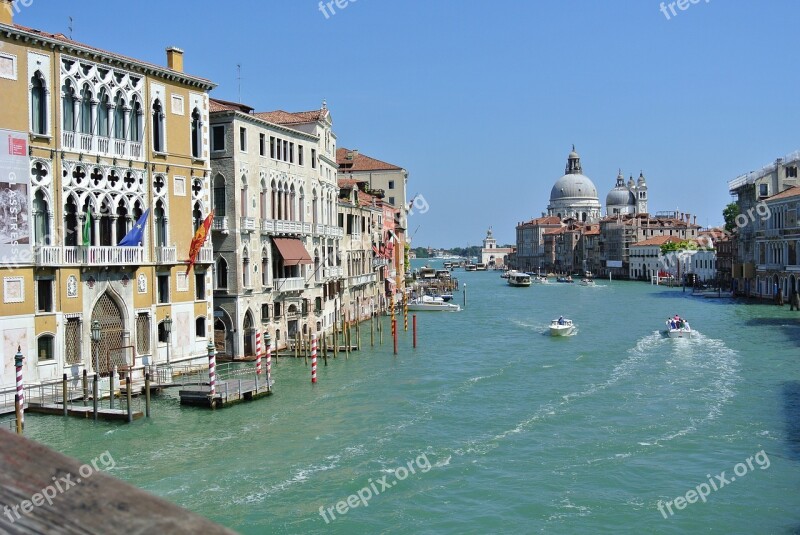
<point>87,229</point>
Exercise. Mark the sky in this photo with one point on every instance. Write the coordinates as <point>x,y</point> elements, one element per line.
<point>481,101</point>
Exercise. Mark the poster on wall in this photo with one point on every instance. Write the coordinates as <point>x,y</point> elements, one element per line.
<point>15,186</point>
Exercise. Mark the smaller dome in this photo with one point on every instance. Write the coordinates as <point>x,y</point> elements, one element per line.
<point>620,197</point>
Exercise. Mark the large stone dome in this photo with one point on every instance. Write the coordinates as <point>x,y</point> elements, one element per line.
<point>573,187</point>
<point>574,195</point>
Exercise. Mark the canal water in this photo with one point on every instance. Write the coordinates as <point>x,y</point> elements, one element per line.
<point>491,426</point>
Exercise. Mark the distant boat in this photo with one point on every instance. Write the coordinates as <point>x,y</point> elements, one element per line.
<point>480,266</point>
<point>587,282</point>
<point>428,303</point>
<point>539,279</point>
<point>678,329</point>
<point>565,279</point>
<point>515,278</point>
<point>470,267</point>
<point>427,273</point>
<point>561,327</point>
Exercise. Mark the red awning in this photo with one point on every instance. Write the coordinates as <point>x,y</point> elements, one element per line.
<point>293,251</point>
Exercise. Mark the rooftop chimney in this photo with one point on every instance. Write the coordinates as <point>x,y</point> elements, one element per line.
<point>7,8</point>
<point>175,58</point>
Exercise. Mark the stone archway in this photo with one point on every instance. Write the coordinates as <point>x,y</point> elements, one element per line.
<point>112,324</point>
<point>249,333</point>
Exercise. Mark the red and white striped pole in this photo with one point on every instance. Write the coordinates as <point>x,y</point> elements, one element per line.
<point>313,358</point>
<point>268,344</point>
<point>258,353</point>
<point>212,369</point>
<point>20,410</point>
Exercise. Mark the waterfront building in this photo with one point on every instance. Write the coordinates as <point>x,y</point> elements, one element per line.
<point>751,190</point>
<point>96,147</point>
<point>367,248</point>
<point>574,195</point>
<point>492,256</point>
<point>393,181</point>
<point>530,255</point>
<point>646,260</point>
<point>778,246</point>
<point>277,244</point>
<point>618,233</point>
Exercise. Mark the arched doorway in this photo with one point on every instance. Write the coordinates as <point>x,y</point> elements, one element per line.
<point>107,352</point>
<point>249,332</point>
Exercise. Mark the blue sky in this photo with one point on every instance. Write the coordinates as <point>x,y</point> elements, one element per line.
<point>481,101</point>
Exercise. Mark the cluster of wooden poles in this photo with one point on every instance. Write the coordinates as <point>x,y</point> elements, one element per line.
<point>306,346</point>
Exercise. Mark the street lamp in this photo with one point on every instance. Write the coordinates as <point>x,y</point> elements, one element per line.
<point>96,332</point>
<point>168,331</point>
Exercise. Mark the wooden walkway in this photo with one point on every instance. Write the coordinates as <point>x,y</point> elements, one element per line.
<point>120,415</point>
<point>229,392</point>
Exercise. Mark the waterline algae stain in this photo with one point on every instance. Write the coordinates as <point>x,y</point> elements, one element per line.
<point>517,432</point>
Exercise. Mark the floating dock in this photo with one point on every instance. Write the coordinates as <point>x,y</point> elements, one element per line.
<point>228,392</point>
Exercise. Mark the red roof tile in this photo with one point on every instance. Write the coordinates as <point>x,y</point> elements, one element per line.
<point>216,105</point>
<point>791,192</point>
<point>287,118</point>
<point>361,162</point>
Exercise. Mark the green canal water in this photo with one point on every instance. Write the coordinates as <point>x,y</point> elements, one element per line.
<point>506,429</point>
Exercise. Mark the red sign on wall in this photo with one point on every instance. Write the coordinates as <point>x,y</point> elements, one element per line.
<point>17,146</point>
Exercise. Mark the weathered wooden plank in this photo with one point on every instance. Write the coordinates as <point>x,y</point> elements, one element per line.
<point>97,503</point>
<point>84,412</point>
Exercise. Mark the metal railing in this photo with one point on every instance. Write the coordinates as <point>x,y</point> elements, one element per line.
<point>103,255</point>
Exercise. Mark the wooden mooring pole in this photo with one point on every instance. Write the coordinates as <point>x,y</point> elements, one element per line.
<point>64,393</point>
<point>85,387</point>
<point>95,395</point>
<point>128,396</point>
<point>147,395</point>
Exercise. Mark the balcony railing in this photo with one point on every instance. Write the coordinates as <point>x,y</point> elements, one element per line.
<point>47,256</point>
<point>333,271</point>
<point>247,224</point>
<point>280,226</point>
<point>103,255</point>
<point>166,255</point>
<point>289,285</point>
<point>103,146</point>
<point>206,255</point>
<point>220,223</point>
<point>359,280</point>
<point>380,261</point>
<point>328,231</point>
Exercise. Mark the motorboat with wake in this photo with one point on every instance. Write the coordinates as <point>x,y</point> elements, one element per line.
<point>678,327</point>
<point>561,327</point>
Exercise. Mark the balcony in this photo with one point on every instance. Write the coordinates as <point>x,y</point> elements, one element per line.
<point>47,256</point>
<point>247,224</point>
<point>293,284</point>
<point>360,280</point>
<point>328,231</point>
<point>380,261</point>
<point>205,256</point>
<point>101,146</point>
<point>331,272</point>
<point>220,223</point>
<point>166,255</point>
<point>103,255</point>
<point>280,226</point>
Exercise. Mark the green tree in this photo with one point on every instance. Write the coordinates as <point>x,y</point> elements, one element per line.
<point>729,213</point>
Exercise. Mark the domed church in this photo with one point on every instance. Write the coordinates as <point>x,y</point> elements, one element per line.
<point>627,199</point>
<point>574,194</point>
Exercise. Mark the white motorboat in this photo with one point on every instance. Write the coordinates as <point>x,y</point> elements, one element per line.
<point>561,327</point>
<point>470,267</point>
<point>515,278</point>
<point>678,328</point>
<point>480,266</point>
<point>539,279</point>
<point>587,282</point>
<point>426,302</point>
